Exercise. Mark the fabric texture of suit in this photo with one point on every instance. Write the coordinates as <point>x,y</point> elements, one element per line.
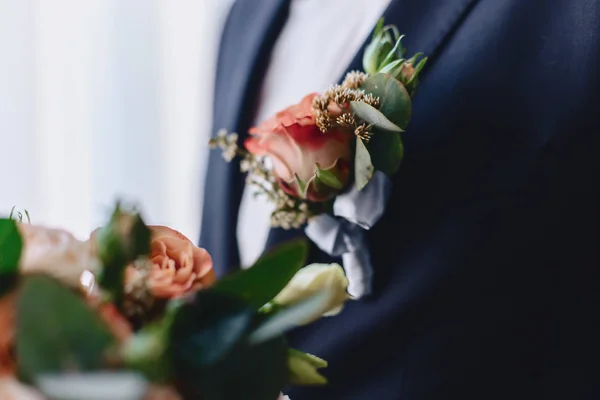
<point>487,281</point>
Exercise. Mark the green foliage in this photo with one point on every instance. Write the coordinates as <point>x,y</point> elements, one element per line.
<point>412,83</point>
<point>123,240</point>
<point>212,358</point>
<point>302,368</point>
<point>384,48</point>
<point>56,331</point>
<point>302,186</point>
<point>373,117</point>
<point>268,276</point>
<point>387,150</point>
<point>19,215</point>
<point>384,151</point>
<point>329,177</point>
<point>11,245</point>
<point>395,100</point>
<point>292,316</point>
<point>147,350</point>
<point>363,167</point>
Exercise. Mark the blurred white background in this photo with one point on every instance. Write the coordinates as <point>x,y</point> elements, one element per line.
<point>103,100</point>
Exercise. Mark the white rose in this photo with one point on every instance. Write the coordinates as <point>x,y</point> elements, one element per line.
<point>313,279</point>
<point>282,397</point>
<point>57,253</point>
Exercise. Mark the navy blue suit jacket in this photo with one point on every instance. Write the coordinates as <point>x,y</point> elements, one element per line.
<point>487,282</point>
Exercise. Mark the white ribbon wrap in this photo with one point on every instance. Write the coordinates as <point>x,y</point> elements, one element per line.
<point>343,234</point>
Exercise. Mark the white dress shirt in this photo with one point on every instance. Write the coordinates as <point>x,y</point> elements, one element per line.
<point>318,42</point>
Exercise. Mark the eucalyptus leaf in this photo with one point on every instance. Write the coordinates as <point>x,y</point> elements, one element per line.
<point>329,177</point>
<point>249,372</point>
<point>260,283</point>
<point>395,100</point>
<point>363,168</point>
<point>373,116</point>
<point>212,358</point>
<point>387,152</point>
<point>206,330</point>
<point>56,331</point>
<point>291,317</point>
<point>147,350</point>
<point>11,244</point>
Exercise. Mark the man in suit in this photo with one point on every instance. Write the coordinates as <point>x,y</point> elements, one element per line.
<point>486,262</point>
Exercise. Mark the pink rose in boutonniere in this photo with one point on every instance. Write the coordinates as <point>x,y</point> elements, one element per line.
<point>301,153</point>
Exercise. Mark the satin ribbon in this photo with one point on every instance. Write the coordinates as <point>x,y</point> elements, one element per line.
<point>344,233</point>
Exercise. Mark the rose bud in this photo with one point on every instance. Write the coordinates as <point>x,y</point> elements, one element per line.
<point>312,280</point>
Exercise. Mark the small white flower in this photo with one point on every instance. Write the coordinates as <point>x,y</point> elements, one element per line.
<point>313,279</point>
<point>245,165</point>
<point>229,153</point>
<point>222,133</point>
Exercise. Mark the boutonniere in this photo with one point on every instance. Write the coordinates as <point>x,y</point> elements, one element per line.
<point>326,161</point>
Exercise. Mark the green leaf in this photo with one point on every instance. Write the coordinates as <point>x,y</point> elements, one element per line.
<point>303,367</point>
<point>329,177</point>
<point>211,356</point>
<point>387,151</point>
<point>10,246</point>
<point>379,47</point>
<point>398,49</point>
<point>302,186</point>
<point>248,372</point>
<point>372,116</point>
<point>260,283</point>
<point>56,330</point>
<point>205,331</point>
<point>291,317</point>
<point>395,100</point>
<point>379,27</point>
<point>363,168</point>
<point>125,238</point>
<point>411,85</point>
<point>393,68</point>
<point>147,350</point>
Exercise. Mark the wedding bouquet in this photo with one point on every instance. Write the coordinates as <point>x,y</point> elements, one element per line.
<point>136,312</point>
<point>326,161</point>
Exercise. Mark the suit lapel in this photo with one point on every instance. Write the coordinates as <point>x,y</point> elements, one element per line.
<point>248,38</point>
<point>427,24</point>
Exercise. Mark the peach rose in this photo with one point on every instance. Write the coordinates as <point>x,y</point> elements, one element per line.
<point>7,334</point>
<point>177,266</point>
<point>296,146</point>
<point>55,252</point>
